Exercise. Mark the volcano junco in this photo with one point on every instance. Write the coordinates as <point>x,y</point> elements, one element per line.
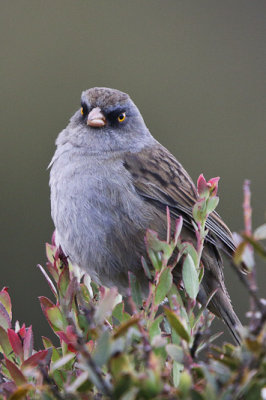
<point>111,180</point>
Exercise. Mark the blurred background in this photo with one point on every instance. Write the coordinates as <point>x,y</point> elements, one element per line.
<point>195,69</point>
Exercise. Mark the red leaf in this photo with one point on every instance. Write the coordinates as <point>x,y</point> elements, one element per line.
<point>28,343</point>
<point>202,186</point>
<point>15,373</point>
<point>35,359</point>
<point>16,343</point>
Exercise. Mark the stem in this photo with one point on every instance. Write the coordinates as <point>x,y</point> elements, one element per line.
<point>248,231</point>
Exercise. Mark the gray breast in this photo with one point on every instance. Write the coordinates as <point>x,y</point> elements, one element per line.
<point>100,220</point>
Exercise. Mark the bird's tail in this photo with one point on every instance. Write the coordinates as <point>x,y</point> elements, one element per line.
<point>221,306</point>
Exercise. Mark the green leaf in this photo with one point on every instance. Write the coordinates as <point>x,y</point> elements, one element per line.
<point>176,324</point>
<point>102,351</point>
<point>153,242</point>
<point>155,329</point>
<point>55,318</point>
<point>190,277</point>
<point>164,285</point>
<point>188,248</point>
<point>177,369</point>
<point>146,268</point>
<point>135,289</point>
<point>175,352</point>
<point>4,342</point>
<point>212,203</point>
<point>123,328</point>
<point>63,281</point>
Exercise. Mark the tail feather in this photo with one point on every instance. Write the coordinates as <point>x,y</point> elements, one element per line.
<point>221,306</point>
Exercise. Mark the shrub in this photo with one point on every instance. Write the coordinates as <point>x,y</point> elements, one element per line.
<point>135,349</point>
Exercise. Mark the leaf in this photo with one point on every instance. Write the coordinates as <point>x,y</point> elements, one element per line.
<point>16,343</point>
<point>155,329</point>
<point>188,248</point>
<point>260,232</point>
<point>6,301</point>
<point>212,203</point>
<point>123,328</point>
<point>15,373</point>
<point>4,342</point>
<point>190,277</point>
<point>199,210</point>
<point>21,392</point>
<point>28,343</point>
<point>135,289</point>
<point>175,352</point>
<point>62,361</point>
<point>106,305</point>
<point>50,252</point>
<point>35,359</point>
<point>63,281</point>
<point>146,268</point>
<point>178,228</point>
<point>164,285</point>
<point>153,242</point>
<point>82,378</point>
<point>176,324</point>
<point>5,321</point>
<point>50,283</point>
<point>55,318</point>
<point>102,351</point>
<point>177,369</point>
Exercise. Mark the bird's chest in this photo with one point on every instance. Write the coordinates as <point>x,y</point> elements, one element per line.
<point>97,213</point>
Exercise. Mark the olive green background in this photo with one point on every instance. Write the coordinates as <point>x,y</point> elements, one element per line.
<point>196,69</point>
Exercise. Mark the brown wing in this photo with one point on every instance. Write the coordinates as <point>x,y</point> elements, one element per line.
<point>161,179</point>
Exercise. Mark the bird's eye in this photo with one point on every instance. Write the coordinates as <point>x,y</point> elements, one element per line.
<point>83,109</point>
<point>121,117</point>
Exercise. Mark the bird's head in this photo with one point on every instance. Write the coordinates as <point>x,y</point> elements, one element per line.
<point>107,120</point>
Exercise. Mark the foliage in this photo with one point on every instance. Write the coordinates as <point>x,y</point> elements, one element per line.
<point>138,349</point>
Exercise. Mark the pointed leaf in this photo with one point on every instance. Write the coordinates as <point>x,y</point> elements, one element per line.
<point>63,281</point>
<point>28,343</point>
<point>50,252</point>
<point>6,301</point>
<point>123,328</point>
<point>55,318</point>
<point>190,277</point>
<point>16,343</point>
<point>164,285</point>
<point>106,305</point>
<point>62,361</point>
<point>178,228</point>
<point>212,204</point>
<point>35,359</point>
<point>102,351</point>
<point>5,321</point>
<point>153,242</point>
<point>176,352</point>
<point>176,324</point>
<point>4,342</point>
<point>50,283</point>
<point>21,392</point>
<point>135,289</point>
<point>15,373</point>
<point>146,268</point>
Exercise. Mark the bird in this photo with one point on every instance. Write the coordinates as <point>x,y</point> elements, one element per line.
<point>110,181</point>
